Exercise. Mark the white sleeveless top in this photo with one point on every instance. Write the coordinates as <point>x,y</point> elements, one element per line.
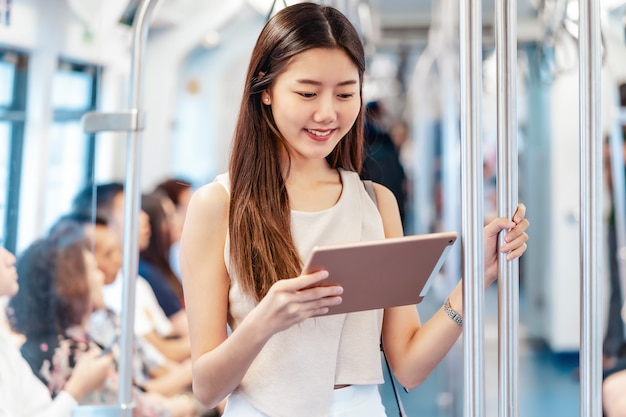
<point>296,371</point>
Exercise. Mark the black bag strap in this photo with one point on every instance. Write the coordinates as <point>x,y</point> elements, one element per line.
<point>369,187</point>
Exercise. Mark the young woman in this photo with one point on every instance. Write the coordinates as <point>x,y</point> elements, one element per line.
<point>293,183</point>
<point>154,262</point>
<point>179,192</point>
<point>151,323</point>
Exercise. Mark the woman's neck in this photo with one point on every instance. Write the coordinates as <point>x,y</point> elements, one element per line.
<point>296,170</point>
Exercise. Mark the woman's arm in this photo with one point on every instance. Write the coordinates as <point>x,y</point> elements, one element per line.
<point>220,361</point>
<point>180,327</point>
<point>174,348</point>
<point>413,349</point>
<point>170,378</point>
<point>613,399</point>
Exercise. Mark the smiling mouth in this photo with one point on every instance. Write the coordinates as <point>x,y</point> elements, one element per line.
<point>322,134</point>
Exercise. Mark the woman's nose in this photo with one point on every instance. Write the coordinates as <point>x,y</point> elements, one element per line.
<point>7,257</point>
<point>326,111</point>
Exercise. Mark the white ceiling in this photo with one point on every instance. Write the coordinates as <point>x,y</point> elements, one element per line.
<point>394,22</point>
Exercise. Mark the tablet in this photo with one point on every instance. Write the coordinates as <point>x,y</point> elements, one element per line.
<point>382,273</point>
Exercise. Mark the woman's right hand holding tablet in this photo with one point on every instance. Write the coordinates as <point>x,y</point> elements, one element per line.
<point>291,301</point>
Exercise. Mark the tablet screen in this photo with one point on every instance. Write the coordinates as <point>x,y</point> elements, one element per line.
<point>382,273</point>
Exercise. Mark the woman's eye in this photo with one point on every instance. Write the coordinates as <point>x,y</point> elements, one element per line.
<point>307,95</point>
<point>346,96</point>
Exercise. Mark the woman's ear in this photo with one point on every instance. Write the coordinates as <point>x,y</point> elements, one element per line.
<point>265,97</point>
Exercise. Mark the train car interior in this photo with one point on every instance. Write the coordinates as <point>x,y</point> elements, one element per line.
<point>86,101</point>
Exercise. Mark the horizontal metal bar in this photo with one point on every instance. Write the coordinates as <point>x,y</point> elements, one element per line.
<point>68,115</point>
<point>12,115</point>
<point>122,121</point>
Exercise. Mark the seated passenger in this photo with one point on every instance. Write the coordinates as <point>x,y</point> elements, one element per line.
<point>60,284</point>
<point>153,371</point>
<point>150,320</point>
<point>154,263</point>
<point>179,192</point>
<point>22,394</point>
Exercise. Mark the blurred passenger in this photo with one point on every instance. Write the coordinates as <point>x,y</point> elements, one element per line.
<point>399,133</point>
<point>22,394</point>
<point>151,323</point>
<point>614,344</point>
<point>60,286</point>
<point>154,263</point>
<point>152,372</point>
<point>382,159</point>
<point>179,191</point>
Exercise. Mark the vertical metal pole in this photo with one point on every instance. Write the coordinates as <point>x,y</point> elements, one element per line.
<point>508,284</point>
<point>472,202</point>
<point>132,205</point>
<point>450,173</point>
<point>590,209</point>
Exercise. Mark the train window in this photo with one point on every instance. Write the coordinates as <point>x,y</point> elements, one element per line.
<point>7,75</point>
<point>70,155</point>
<point>72,88</point>
<point>13,66</point>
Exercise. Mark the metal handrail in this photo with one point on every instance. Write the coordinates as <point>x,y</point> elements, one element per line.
<point>507,168</point>
<point>473,213</point>
<point>131,121</point>
<point>132,205</point>
<point>590,209</point>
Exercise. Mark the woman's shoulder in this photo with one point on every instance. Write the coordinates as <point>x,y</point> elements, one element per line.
<point>382,192</point>
<point>207,210</point>
<point>224,180</point>
<point>212,196</point>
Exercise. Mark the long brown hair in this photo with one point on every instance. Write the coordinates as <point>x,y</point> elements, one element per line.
<point>157,252</point>
<point>54,290</point>
<point>262,249</point>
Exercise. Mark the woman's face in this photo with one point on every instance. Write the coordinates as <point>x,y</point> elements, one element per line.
<point>96,281</point>
<point>8,273</point>
<point>172,224</point>
<point>117,222</point>
<point>315,102</point>
<point>107,251</point>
